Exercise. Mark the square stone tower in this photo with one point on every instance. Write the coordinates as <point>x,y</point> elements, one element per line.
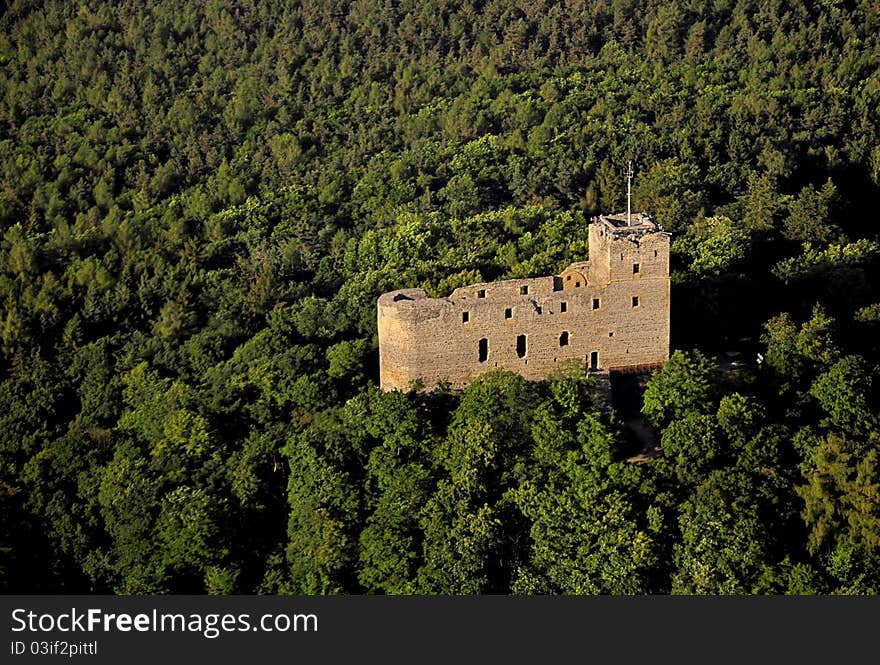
<point>621,251</point>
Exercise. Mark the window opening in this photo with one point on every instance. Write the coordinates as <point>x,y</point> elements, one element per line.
<point>521,346</point>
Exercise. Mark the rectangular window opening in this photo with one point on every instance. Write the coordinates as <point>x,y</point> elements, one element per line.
<point>524,290</point>
<point>521,347</point>
<point>594,361</point>
<point>481,293</point>
<point>483,350</point>
<point>563,306</point>
<point>636,268</point>
<point>508,313</point>
<point>563,338</point>
<point>635,301</point>
<point>465,317</point>
<point>595,303</point>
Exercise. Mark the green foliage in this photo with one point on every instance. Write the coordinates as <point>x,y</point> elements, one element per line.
<point>389,542</point>
<point>739,417</point>
<point>837,262</point>
<point>810,215</point>
<point>761,203</point>
<point>715,245</point>
<point>200,204</point>
<point>693,445</point>
<point>685,383</point>
<point>323,504</point>
<point>797,353</point>
<point>845,393</point>
<point>587,535</point>
<point>842,510</point>
<point>464,520</point>
<point>671,189</point>
<point>726,546</point>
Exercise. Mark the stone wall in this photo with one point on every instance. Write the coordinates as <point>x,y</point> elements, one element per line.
<point>609,313</point>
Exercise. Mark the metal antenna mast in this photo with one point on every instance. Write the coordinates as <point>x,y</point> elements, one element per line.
<point>629,177</point>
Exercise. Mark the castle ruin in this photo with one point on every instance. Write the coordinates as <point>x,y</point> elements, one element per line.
<point>610,313</point>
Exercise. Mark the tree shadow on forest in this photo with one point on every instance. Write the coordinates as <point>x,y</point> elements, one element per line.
<point>641,441</point>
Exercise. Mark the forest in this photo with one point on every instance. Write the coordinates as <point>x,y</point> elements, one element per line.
<point>201,201</point>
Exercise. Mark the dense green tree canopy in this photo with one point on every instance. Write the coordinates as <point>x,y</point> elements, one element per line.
<point>201,201</point>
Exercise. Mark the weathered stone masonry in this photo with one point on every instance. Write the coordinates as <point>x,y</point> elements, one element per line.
<point>611,312</point>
